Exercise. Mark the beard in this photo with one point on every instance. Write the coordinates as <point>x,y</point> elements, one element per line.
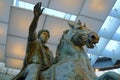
<point>43,40</point>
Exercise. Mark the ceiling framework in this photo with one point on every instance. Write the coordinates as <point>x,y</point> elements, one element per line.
<point>15,21</point>
<point>5,10</point>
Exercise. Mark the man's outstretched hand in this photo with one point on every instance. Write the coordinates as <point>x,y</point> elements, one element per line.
<point>37,9</point>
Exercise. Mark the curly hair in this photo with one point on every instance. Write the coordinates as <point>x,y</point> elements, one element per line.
<point>41,31</point>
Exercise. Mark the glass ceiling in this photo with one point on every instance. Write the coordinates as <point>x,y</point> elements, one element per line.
<point>109,28</point>
<point>112,45</point>
<point>47,11</point>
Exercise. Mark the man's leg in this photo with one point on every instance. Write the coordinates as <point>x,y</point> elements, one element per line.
<point>33,72</point>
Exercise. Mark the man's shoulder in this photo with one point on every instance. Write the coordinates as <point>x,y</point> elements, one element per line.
<point>32,36</point>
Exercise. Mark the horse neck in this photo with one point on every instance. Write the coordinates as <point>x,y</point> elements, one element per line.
<point>67,50</point>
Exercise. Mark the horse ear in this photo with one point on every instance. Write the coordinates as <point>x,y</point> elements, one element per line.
<point>81,26</point>
<point>84,25</point>
<point>79,22</point>
<point>73,24</point>
<point>65,32</point>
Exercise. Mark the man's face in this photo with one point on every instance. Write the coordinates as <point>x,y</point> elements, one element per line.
<point>44,36</point>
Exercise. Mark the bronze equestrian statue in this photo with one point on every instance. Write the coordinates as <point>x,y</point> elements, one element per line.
<point>72,63</point>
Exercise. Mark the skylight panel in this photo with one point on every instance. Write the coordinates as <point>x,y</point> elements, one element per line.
<point>54,13</point>
<point>47,11</point>
<point>106,23</point>
<point>67,16</point>
<point>117,5</point>
<point>21,4</point>
<point>70,17</point>
<point>112,45</point>
<point>118,31</point>
<point>73,17</point>
<point>109,22</point>
<point>102,43</point>
<point>109,27</point>
<point>29,6</point>
<point>97,50</point>
<point>116,36</point>
<point>14,3</point>
<point>25,5</point>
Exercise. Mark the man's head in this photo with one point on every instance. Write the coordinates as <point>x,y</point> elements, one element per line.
<point>43,35</point>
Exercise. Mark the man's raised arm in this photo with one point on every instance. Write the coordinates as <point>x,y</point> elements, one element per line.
<point>37,12</point>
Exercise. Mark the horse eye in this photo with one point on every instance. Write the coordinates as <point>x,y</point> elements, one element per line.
<point>79,28</point>
<point>93,37</point>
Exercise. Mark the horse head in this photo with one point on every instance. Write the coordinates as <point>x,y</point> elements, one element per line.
<point>80,35</point>
<point>72,41</point>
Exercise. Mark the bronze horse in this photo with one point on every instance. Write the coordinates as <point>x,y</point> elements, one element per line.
<point>72,61</point>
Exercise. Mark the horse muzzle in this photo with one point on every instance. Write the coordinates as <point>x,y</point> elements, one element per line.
<point>93,38</point>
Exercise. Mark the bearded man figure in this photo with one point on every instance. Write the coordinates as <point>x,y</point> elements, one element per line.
<point>38,56</point>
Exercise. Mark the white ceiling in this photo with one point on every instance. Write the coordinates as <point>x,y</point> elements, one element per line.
<point>15,21</point>
<point>19,23</point>
<point>98,9</point>
<point>91,23</point>
<point>5,10</point>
